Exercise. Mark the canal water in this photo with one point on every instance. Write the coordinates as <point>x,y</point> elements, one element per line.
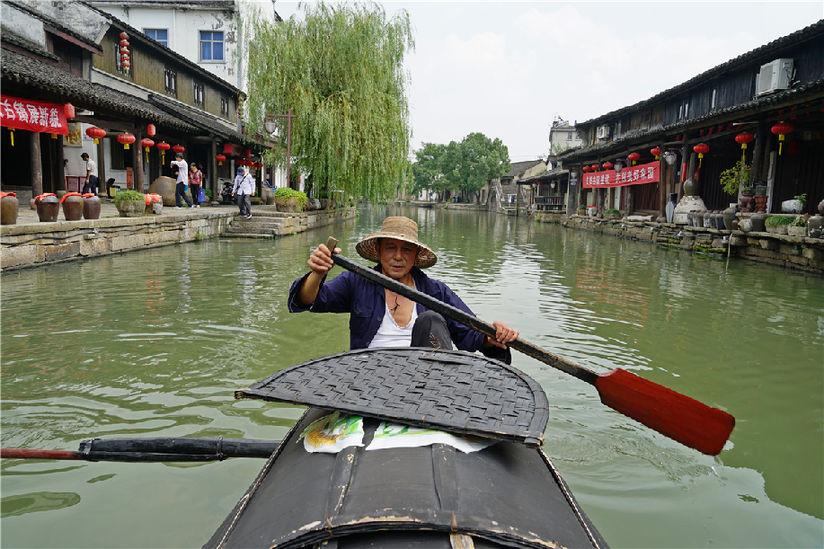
<point>154,343</point>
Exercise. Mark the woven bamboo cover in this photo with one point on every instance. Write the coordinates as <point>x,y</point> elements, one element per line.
<point>455,391</point>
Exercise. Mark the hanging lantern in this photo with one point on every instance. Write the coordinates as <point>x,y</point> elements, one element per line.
<point>68,110</point>
<point>220,158</point>
<point>124,36</point>
<point>178,148</point>
<point>586,169</point>
<point>247,153</point>
<point>744,138</point>
<point>146,143</point>
<point>96,134</point>
<point>655,151</point>
<point>227,148</point>
<point>126,139</point>
<point>781,129</point>
<point>594,167</point>
<point>150,129</point>
<point>163,147</point>
<point>701,149</point>
<point>607,165</point>
<point>633,157</point>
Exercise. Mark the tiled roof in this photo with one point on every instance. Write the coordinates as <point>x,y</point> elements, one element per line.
<point>520,167</point>
<point>197,118</point>
<point>807,33</point>
<point>544,176</point>
<point>20,68</point>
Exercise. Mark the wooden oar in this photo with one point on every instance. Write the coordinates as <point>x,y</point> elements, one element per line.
<point>672,414</point>
<point>153,449</point>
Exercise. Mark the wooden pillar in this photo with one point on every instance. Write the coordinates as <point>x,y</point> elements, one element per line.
<point>101,166</point>
<point>137,162</point>
<point>36,165</point>
<point>61,163</point>
<point>663,186</point>
<point>213,171</point>
<point>757,172</point>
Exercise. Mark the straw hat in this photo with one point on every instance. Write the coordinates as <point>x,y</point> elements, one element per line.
<point>400,228</point>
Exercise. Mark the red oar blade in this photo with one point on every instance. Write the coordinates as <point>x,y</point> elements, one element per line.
<point>672,414</point>
<point>24,453</point>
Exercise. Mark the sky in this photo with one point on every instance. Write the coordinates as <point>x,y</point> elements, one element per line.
<point>508,69</point>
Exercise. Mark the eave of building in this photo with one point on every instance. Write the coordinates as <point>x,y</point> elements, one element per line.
<point>197,118</point>
<point>546,176</point>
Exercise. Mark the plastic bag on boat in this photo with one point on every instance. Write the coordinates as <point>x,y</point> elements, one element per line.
<point>331,434</point>
<point>393,435</point>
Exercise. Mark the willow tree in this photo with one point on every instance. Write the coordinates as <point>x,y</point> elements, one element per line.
<point>340,70</point>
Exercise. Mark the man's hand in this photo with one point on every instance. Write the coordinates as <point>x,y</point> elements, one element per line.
<point>503,335</point>
<point>320,260</point>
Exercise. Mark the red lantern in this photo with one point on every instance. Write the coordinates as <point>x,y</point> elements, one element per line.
<point>126,139</point>
<point>701,149</point>
<point>163,147</point>
<point>124,44</point>
<point>227,148</point>
<point>220,158</point>
<point>124,36</point>
<point>655,151</point>
<point>607,165</point>
<point>178,148</point>
<point>744,138</point>
<point>781,129</point>
<point>68,110</point>
<point>247,153</point>
<point>594,167</point>
<point>146,143</point>
<point>96,134</point>
<point>150,129</point>
<point>585,169</point>
<point>633,157</point>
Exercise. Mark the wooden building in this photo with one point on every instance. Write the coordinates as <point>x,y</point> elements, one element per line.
<point>778,86</point>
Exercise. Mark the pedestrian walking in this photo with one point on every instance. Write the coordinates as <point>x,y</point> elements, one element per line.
<point>244,189</point>
<point>195,183</point>
<point>92,181</point>
<point>182,180</point>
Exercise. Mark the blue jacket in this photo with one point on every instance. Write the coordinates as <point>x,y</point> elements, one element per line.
<point>366,304</point>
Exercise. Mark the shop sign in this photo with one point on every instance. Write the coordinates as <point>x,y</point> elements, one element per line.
<point>33,116</point>
<point>631,175</point>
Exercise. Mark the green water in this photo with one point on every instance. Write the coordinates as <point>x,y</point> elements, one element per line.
<point>153,343</point>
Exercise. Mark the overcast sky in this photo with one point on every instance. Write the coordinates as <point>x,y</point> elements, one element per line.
<point>508,69</point>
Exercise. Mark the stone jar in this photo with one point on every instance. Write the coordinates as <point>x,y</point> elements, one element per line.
<point>72,206</point>
<point>690,188</point>
<point>48,207</point>
<point>91,206</point>
<point>758,222</point>
<point>821,207</point>
<point>9,206</point>
<point>815,226</point>
<point>130,208</point>
<point>729,217</point>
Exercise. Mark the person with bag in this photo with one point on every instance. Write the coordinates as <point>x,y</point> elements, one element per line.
<point>196,185</point>
<point>244,189</point>
<point>182,180</point>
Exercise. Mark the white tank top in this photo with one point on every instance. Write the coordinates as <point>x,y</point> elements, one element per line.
<point>390,334</point>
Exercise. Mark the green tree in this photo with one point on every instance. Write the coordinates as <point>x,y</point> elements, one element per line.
<point>428,168</point>
<point>340,70</point>
<point>476,161</point>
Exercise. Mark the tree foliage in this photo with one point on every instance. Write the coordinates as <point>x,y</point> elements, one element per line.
<point>340,70</point>
<point>465,166</point>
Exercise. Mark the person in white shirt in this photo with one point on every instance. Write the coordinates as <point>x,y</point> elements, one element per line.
<point>182,180</point>
<point>244,188</point>
<point>92,181</point>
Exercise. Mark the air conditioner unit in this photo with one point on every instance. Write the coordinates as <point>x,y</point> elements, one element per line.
<point>602,132</point>
<point>774,76</point>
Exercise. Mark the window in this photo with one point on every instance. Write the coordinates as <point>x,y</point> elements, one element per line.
<point>211,46</point>
<point>170,78</point>
<point>570,136</point>
<point>224,106</point>
<point>198,94</point>
<point>713,101</point>
<point>160,36</point>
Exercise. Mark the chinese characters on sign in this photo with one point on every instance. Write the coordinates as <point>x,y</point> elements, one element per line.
<point>631,175</point>
<point>34,116</point>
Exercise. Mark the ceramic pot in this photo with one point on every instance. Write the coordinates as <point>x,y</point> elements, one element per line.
<point>91,207</point>
<point>757,220</point>
<point>9,206</point>
<point>72,206</point>
<point>699,218</point>
<point>760,190</point>
<point>745,225</point>
<point>690,188</point>
<point>708,220</point>
<point>815,226</point>
<point>48,207</point>
<point>746,202</point>
<point>821,207</point>
<point>729,217</point>
<point>761,204</point>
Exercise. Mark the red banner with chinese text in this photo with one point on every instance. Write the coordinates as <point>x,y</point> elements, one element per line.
<point>31,115</point>
<point>631,175</point>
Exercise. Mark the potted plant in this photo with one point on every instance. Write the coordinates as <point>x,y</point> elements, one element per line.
<point>734,178</point>
<point>130,203</point>
<point>290,200</point>
<point>582,209</point>
<point>798,226</point>
<point>778,224</point>
<point>796,205</point>
<point>612,213</point>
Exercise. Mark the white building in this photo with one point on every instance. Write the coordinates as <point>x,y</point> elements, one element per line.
<point>562,136</point>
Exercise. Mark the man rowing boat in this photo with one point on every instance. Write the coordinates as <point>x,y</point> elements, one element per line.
<point>382,318</point>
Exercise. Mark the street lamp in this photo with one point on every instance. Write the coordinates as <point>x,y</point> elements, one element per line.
<point>271,125</point>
